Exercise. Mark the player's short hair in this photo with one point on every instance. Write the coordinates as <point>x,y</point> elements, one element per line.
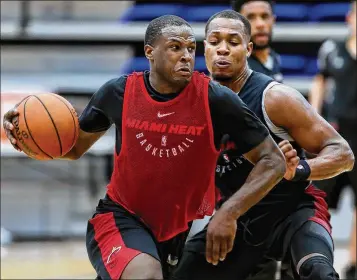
<point>238,4</point>
<point>230,14</point>
<point>154,29</point>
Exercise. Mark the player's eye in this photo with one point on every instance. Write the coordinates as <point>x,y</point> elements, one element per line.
<point>234,43</point>
<point>174,47</point>
<point>265,16</point>
<point>213,43</point>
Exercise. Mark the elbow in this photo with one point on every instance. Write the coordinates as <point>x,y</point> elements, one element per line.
<point>348,157</point>
<point>73,154</point>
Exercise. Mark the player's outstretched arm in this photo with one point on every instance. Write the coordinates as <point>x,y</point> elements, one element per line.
<point>251,139</point>
<point>84,142</point>
<point>288,109</point>
<point>94,121</point>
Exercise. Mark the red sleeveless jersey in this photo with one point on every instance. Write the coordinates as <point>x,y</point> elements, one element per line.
<point>164,172</point>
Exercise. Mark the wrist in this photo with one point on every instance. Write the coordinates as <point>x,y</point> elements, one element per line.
<point>230,210</point>
<point>302,172</point>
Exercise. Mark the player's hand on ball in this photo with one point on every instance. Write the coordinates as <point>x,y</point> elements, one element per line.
<point>9,127</point>
<point>291,158</point>
<point>221,232</point>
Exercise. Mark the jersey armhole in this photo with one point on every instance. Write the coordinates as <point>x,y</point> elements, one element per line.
<point>278,131</point>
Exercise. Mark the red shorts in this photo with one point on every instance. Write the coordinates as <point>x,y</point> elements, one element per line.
<point>115,237</point>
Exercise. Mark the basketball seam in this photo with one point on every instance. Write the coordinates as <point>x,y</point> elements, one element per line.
<point>28,128</point>
<point>54,125</point>
<point>74,122</point>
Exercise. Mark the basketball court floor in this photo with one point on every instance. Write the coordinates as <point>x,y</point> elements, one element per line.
<point>68,259</point>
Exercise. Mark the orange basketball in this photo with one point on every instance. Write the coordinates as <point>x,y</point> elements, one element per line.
<point>47,126</point>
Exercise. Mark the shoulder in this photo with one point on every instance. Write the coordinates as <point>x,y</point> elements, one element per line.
<point>280,93</point>
<point>327,47</point>
<point>282,100</point>
<point>220,95</point>
<point>117,84</point>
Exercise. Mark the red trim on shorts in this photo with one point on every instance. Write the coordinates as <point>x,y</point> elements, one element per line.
<point>114,253</point>
<point>321,216</point>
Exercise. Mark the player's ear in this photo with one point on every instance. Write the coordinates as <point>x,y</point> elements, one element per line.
<point>204,45</point>
<point>148,50</point>
<point>249,49</point>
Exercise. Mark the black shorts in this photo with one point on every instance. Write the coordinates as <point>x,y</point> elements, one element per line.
<point>247,258</point>
<point>334,186</point>
<point>116,236</point>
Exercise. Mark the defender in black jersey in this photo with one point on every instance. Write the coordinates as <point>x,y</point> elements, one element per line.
<point>292,220</point>
<point>260,14</point>
<point>337,63</point>
<point>122,236</point>
<point>263,60</point>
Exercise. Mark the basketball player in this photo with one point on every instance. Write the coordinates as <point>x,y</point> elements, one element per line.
<point>292,220</point>
<point>169,125</point>
<point>263,59</point>
<point>260,14</point>
<point>337,61</point>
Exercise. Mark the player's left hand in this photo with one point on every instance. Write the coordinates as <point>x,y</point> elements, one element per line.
<point>221,233</point>
<point>291,158</point>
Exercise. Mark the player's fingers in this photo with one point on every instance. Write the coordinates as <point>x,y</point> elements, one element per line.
<point>9,115</point>
<point>230,244</point>
<point>9,134</point>
<point>294,161</point>
<point>8,125</point>
<point>286,148</point>
<point>223,251</point>
<point>283,143</point>
<point>290,154</point>
<point>209,245</point>
<point>216,248</point>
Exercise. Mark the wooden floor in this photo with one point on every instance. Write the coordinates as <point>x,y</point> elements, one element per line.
<point>46,260</point>
<point>68,260</point>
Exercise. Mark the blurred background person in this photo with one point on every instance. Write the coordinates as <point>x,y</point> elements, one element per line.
<point>337,62</point>
<point>262,19</point>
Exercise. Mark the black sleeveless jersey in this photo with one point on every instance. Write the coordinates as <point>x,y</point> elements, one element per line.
<point>233,169</point>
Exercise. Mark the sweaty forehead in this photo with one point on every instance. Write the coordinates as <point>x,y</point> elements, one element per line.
<point>182,33</point>
<point>226,25</point>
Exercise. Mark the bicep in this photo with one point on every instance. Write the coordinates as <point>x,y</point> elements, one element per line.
<point>288,109</point>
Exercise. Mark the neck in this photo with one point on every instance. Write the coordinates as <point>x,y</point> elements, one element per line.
<point>262,55</point>
<point>162,86</point>
<point>351,45</point>
<point>237,84</point>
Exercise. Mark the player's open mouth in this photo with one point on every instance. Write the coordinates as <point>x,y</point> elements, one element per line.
<point>223,63</point>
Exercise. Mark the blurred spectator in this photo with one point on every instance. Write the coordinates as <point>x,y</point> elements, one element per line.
<point>337,61</point>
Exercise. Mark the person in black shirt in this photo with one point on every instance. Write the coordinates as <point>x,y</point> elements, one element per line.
<point>260,14</point>
<point>120,242</point>
<point>264,60</point>
<point>292,220</point>
<point>337,63</point>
